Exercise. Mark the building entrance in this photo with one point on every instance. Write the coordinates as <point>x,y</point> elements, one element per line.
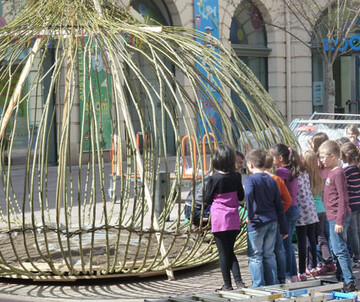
<point>347,83</point>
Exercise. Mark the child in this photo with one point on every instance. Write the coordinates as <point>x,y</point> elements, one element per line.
<point>240,158</point>
<point>350,156</point>
<point>352,132</point>
<point>265,212</point>
<point>336,201</point>
<point>195,211</point>
<point>343,140</point>
<point>305,226</point>
<point>323,230</point>
<point>198,214</point>
<point>316,140</point>
<point>288,169</point>
<point>286,199</point>
<point>223,192</point>
<point>316,185</point>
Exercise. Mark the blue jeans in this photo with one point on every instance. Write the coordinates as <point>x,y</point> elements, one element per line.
<point>354,234</point>
<point>280,258</point>
<point>262,264</point>
<point>341,251</point>
<point>291,216</point>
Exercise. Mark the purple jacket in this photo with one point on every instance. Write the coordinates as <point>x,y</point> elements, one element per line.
<point>223,193</point>
<point>292,185</point>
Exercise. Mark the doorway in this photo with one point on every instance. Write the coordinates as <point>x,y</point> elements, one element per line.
<point>347,84</point>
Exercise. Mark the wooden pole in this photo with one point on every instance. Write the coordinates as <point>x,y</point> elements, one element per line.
<point>62,159</point>
<point>19,85</point>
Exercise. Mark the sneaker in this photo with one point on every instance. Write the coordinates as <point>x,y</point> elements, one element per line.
<point>288,281</point>
<point>350,287</point>
<point>302,277</point>
<point>312,272</point>
<point>240,285</point>
<point>224,288</point>
<point>356,263</point>
<point>294,278</point>
<point>321,271</point>
<point>330,268</point>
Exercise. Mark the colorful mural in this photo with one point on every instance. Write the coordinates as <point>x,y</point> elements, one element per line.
<point>99,86</point>
<point>207,20</point>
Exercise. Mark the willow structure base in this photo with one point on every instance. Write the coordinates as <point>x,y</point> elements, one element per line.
<point>82,77</point>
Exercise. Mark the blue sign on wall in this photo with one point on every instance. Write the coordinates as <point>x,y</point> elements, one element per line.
<point>207,21</point>
<point>353,43</point>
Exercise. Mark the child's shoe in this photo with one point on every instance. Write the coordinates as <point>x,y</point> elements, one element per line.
<point>224,288</point>
<point>350,287</point>
<point>240,285</point>
<point>302,277</point>
<point>294,278</point>
<point>356,263</point>
<point>330,268</point>
<point>312,272</point>
<point>321,270</point>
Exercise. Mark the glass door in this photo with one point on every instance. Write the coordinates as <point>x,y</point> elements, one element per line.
<point>357,84</point>
<point>347,84</point>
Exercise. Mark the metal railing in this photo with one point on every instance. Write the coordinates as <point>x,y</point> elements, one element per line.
<point>333,124</point>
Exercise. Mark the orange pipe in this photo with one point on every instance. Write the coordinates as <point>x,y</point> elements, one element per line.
<point>204,149</point>
<point>112,156</point>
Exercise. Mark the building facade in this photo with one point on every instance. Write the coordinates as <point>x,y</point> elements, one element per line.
<point>290,70</point>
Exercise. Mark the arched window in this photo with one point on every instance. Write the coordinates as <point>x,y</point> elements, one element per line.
<point>249,41</point>
<point>152,12</point>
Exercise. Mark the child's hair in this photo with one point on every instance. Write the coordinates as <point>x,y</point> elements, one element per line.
<point>290,158</point>
<point>224,158</point>
<point>350,154</point>
<point>269,162</point>
<point>317,139</point>
<point>238,153</point>
<point>330,147</point>
<point>257,157</point>
<point>352,128</point>
<point>311,165</point>
<point>342,140</point>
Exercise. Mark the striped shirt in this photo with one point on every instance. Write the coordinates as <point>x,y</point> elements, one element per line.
<point>352,174</point>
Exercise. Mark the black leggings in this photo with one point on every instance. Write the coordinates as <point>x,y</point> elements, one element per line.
<point>303,232</point>
<point>225,243</point>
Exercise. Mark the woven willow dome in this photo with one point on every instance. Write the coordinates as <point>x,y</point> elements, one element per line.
<point>92,215</point>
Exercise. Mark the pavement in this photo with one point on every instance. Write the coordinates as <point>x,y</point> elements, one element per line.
<point>203,279</point>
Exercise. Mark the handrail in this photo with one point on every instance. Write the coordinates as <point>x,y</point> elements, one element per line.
<point>206,136</point>
<point>184,174</point>
<point>115,154</point>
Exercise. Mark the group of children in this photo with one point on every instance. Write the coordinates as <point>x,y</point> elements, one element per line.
<point>307,193</point>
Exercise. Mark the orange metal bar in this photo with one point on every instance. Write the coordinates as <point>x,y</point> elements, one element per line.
<point>184,174</point>
<point>138,139</point>
<point>112,156</point>
<point>204,149</point>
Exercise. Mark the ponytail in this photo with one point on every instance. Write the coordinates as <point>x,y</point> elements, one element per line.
<point>294,163</point>
<point>291,159</point>
<point>350,153</point>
